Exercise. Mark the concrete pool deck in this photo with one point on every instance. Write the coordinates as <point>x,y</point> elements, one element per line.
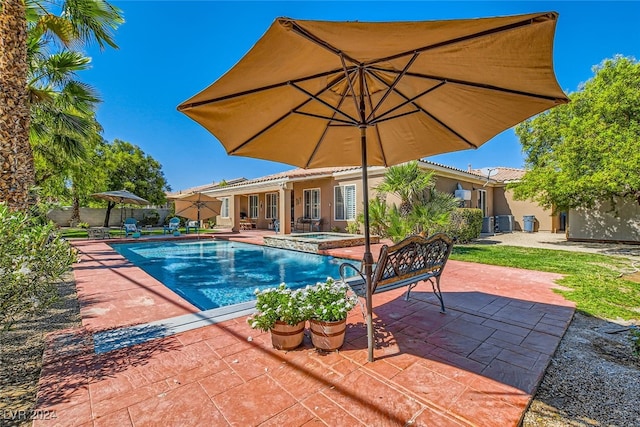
<point>478,365</point>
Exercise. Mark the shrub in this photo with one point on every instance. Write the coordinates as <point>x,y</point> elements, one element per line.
<point>353,227</point>
<point>33,259</point>
<point>83,225</point>
<point>465,224</point>
<point>151,217</point>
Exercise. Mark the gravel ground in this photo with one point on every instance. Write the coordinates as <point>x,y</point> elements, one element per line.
<point>21,355</point>
<point>592,380</point>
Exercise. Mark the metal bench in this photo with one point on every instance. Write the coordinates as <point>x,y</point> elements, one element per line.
<point>414,259</point>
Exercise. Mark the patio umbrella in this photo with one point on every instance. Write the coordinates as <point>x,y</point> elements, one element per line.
<point>197,206</point>
<point>315,93</point>
<point>118,196</point>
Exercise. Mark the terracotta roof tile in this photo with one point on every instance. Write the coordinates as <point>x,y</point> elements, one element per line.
<point>503,174</point>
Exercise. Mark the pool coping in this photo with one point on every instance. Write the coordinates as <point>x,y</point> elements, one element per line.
<point>114,339</point>
<point>298,242</point>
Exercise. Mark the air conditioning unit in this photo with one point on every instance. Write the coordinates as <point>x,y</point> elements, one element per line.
<point>488,224</point>
<point>504,223</point>
<point>463,194</point>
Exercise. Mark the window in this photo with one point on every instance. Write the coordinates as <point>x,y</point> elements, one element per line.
<point>344,202</point>
<point>272,205</point>
<point>253,206</point>
<point>224,209</point>
<point>482,201</point>
<point>312,203</point>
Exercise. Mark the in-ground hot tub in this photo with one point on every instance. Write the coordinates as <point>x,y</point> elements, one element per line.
<point>316,242</point>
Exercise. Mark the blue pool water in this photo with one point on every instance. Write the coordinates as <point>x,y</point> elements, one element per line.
<point>213,273</point>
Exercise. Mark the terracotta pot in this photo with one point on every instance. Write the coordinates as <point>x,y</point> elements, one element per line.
<point>285,336</point>
<point>328,336</point>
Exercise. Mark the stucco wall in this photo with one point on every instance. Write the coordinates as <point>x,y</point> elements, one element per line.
<point>603,224</point>
<point>95,216</point>
<point>504,204</point>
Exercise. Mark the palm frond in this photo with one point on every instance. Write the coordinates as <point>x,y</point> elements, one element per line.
<point>93,21</point>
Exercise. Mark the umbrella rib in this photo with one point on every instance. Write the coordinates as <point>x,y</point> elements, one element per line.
<point>392,86</point>
<point>353,90</point>
<point>293,111</point>
<point>326,104</point>
<point>184,107</point>
<point>473,84</point>
<point>325,118</point>
<point>382,116</point>
<point>426,113</point>
<point>317,40</point>
<point>326,129</point>
<point>530,21</point>
<point>377,130</point>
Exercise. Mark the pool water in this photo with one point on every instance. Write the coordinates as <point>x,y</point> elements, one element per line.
<point>213,273</point>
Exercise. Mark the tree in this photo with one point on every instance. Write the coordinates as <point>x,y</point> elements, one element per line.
<point>79,22</point>
<point>16,161</point>
<point>586,151</point>
<point>408,182</point>
<point>127,167</point>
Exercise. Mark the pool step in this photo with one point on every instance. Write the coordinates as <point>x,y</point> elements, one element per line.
<point>126,337</point>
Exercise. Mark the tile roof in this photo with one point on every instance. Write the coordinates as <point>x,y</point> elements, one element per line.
<point>503,173</point>
<point>298,173</point>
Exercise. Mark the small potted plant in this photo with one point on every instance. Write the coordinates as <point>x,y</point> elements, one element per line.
<point>328,305</point>
<point>281,311</point>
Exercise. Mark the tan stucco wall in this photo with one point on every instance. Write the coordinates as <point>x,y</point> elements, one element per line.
<point>95,216</point>
<point>504,204</point>
<point>602,224</point>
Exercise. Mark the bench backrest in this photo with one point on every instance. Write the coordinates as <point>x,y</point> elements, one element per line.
<point>414,256</point>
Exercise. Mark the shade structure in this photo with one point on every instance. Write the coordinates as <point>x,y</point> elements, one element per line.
<point>197,206</point>
<point>120,196</point>
<point>316,93</point>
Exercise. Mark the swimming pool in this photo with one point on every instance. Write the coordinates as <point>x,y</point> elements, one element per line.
<point>217,273</point>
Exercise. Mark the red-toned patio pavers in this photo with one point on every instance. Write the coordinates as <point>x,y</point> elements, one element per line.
<point>477,365</point>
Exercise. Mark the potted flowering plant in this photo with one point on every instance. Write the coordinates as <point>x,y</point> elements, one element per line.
<point>281,311</point>
<point>328,305</point>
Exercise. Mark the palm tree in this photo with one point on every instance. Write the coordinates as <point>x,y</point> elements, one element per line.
<point>26,26</point>
<point>16,161</point>
<point>432,213</point>
<point>408,182</point>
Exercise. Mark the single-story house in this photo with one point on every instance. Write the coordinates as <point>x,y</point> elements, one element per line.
<point>332,197</point>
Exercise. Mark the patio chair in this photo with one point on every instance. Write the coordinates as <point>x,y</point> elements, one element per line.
<point>172,226</point>
<point>192,226</point>
<point>130,227</point>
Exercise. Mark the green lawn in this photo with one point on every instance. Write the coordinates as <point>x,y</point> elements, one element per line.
<point>594,281</point>
<point>79,233</point>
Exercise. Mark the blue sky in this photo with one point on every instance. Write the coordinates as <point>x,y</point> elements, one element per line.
<point>170,50</point>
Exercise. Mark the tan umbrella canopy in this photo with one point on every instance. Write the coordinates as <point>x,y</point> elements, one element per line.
<point>315,94</point>
<point>197,206</point>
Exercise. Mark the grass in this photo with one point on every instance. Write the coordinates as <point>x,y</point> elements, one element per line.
<point>80,233</point>
<point>594,282</point>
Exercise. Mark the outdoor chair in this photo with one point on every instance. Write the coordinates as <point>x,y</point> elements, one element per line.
<point>130,227</point>
<point>192,226</point>
<point>172,226</point>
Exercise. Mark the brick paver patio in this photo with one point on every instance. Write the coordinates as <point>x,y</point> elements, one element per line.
<point>477,365</point>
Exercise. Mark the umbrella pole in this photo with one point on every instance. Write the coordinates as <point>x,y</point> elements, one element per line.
<point>368,257</point>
